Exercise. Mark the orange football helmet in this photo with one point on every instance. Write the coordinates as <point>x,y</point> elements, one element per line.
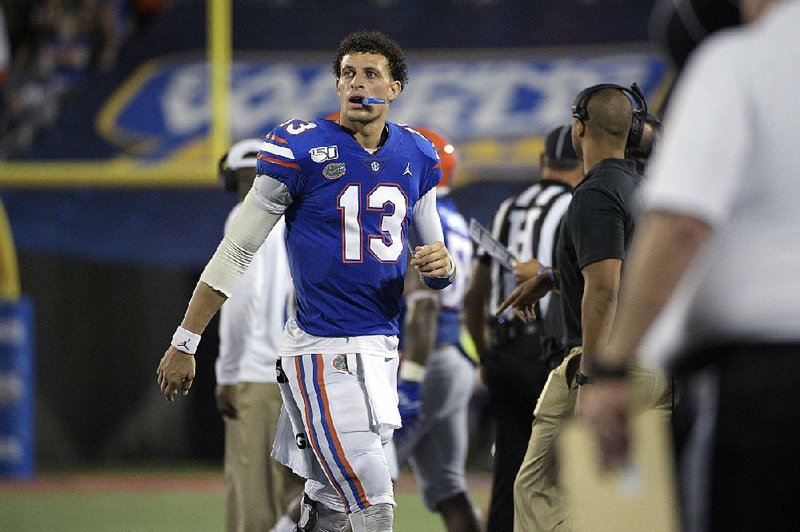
<point>447,154</point>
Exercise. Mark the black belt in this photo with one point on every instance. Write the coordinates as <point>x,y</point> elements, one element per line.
<point>704,356</point>
<point>504,331</point>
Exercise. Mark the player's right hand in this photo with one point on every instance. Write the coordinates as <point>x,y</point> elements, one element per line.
<point>225,395</point>
<point>175,372</point>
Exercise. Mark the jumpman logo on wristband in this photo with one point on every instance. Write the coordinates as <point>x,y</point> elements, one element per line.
<point>184,344</point>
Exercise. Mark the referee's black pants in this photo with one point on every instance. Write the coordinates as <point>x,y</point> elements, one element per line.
<point>514,376</point>
<point>737,428</point>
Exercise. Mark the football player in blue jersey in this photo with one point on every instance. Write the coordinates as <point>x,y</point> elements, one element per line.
<point>436,378</point>
<point>358,195</point>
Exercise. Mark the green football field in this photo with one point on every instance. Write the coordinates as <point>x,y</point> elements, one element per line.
<point>159,500</point>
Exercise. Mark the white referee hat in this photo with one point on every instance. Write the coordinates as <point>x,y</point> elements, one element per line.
<point>243,154</point>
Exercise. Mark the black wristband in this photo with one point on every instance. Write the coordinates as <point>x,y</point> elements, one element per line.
<point>599,370</point>
<point>551,274</point>
<point>581,379</point>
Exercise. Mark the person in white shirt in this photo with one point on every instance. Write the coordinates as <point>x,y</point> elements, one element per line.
<point>258,488</point>
<point>711,287</point>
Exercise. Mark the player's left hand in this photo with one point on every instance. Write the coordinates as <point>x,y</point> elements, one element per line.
<point>409,394</point>
<point>175,372</point>
<point>432,260</point>
<point>605,405</point>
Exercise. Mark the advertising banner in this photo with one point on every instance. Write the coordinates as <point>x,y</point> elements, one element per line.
<point>162,111</point>
<point>17,442</point>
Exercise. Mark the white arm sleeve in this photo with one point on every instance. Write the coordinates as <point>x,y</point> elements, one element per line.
<point>427,227</point>
<point>261,209</point>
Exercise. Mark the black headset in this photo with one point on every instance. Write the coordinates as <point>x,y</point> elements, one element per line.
<point>634,94</point>
<point>227,177</point>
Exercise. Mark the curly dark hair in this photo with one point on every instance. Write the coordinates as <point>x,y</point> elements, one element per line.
<point>373,42</point>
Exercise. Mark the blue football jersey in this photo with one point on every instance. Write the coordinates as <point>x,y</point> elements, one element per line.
<point>451,299</point>
<point>459,244</point>
<point>347,226</point>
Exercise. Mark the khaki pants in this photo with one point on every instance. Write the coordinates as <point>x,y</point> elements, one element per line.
<point>258,489</point>
<point>539,503</point>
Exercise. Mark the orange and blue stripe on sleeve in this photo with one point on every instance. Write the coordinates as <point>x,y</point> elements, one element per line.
<point>276,159</point>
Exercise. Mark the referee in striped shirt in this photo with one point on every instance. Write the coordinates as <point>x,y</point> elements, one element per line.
<point>516,357</point>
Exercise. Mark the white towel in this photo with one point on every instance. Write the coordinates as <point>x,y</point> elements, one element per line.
<point>380,378</point>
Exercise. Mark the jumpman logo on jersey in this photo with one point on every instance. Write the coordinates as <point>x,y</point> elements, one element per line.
<point>407,171</point>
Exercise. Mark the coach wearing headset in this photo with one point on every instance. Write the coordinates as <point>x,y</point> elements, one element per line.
<point>595,233</point>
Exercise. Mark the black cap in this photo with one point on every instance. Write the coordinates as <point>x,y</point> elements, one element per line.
<point>558,150</point>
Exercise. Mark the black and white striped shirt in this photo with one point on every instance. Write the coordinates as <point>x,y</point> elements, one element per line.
<point>528,225</point>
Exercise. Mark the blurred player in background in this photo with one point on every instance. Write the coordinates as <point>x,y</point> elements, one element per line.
<point>354,193</point>
<point>436,378</point>
<point>251,323</point>
<point>515,363</point>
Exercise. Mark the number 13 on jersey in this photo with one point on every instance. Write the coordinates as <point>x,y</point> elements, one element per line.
<point>392,203</point>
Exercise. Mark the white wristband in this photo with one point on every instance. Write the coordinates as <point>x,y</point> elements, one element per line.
<point>185,341</point>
